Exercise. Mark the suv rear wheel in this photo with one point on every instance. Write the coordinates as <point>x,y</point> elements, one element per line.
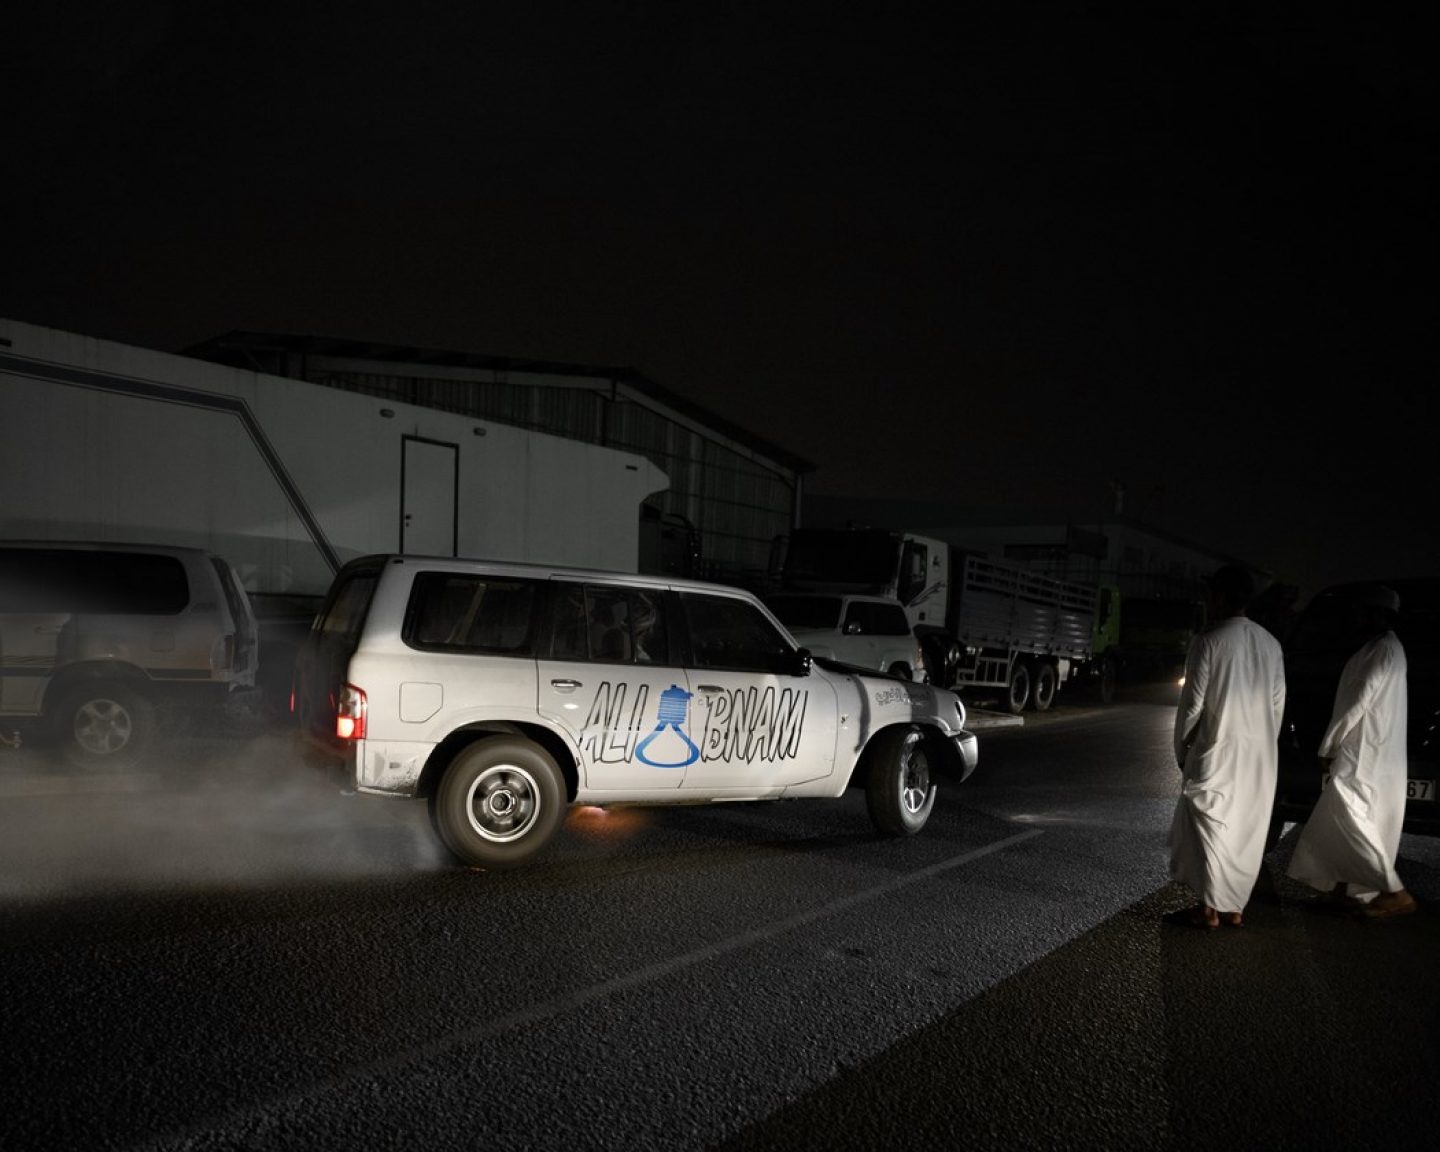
<point>103,724</point>
<point>499,802</point>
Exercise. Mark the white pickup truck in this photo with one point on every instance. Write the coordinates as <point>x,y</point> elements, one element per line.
<point>503,693</point>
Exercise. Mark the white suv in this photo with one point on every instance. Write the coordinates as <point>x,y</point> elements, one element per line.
<point>98,641</point>
<point>502,693</point>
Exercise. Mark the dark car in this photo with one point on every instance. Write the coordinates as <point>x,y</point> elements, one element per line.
<point>1322,640</point>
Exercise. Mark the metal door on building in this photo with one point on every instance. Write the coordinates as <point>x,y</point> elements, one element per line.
<point>429,497</point>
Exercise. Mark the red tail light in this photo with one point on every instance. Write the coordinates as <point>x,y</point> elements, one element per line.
<point>350,714</point>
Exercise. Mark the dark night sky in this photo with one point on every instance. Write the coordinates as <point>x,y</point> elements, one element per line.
<point>999,259</point>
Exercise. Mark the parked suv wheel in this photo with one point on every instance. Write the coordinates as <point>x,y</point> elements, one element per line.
<point>104,724</point>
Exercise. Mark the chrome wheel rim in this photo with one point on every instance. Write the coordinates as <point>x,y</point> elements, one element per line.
<point>103,727</point>
<point>503,803</point>
<point>914,776</point>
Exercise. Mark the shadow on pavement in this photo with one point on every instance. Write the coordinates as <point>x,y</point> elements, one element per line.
<point>1296,1031</point>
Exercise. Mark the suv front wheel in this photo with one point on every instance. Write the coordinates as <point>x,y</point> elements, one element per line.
<point>899,790</point>
<point>499,802</point>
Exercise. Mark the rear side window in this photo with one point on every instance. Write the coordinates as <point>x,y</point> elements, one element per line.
<point>610,625</point>
<point>458,612</point>
<point>349,602</point>
<point>877,619</point>
<point>92,583</point>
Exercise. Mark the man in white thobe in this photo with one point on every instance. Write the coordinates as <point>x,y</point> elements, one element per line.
<point>1349,844</point>
<point>1226,732</point>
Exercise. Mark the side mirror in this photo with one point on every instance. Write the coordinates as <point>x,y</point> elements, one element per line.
<point>852,628</point>
<point>798,662</point>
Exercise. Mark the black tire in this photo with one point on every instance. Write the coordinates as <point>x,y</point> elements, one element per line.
<point>1017,695</point>
<point>900,787</point>
<point>1046,680</point>
<point>942,659</point>
<point>499,802</point>
<point>103,724</point>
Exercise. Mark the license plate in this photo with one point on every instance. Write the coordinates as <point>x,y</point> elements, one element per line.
<point>1414,789</point>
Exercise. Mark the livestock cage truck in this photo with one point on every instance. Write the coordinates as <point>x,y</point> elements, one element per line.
<point>983,625</point>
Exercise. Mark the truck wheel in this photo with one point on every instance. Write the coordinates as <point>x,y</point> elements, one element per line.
<point>899,790</point>
<point>103,724</point>
<point>942,659</point>
<point>1046,682</point>
<point>1018,694</point>
<point>499,802</point>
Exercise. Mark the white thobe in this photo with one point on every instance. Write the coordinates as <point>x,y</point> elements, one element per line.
<point>1226,732</point>
<point>1353,834</point>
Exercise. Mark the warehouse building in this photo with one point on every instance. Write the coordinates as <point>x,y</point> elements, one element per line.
<point>731,492</point>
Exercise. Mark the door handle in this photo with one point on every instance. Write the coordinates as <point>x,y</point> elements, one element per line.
<point>565,685</point>
<point>49,629</point>
<point>708,689</point>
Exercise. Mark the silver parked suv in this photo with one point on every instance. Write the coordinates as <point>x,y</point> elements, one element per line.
<point>96,640</point>
<point>502,693</point>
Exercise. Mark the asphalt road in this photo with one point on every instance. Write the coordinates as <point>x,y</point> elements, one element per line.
<point>224,951</point>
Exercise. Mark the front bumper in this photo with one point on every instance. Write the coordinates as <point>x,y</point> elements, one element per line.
<point>967,752</point>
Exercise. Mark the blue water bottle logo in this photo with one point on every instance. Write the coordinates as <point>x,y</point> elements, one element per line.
<point>668,746</point>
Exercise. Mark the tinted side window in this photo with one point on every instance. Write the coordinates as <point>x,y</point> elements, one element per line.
<point>345,613</point>
<point>96,583</point>
<point>610,625</point>
<point>457,612</point>
<point>734,634</point>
